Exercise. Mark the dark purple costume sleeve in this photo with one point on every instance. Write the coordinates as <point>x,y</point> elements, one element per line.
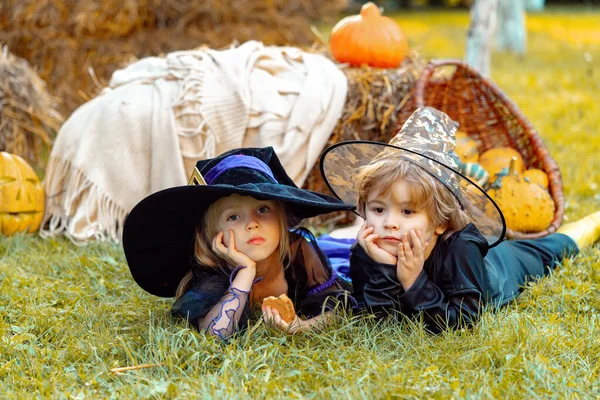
<point>214,305</point>
<point>223,319</point>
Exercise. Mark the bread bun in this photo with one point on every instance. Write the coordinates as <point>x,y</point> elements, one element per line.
<point>283,305</point>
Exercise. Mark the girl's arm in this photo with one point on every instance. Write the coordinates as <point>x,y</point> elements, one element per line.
<point>223,319</point>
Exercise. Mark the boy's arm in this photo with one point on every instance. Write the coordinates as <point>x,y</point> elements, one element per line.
<point>457,302</point>
<point>375,285</point>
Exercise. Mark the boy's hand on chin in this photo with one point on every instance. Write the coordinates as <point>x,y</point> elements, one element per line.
<point>411,258</point>
<point>366,238</point>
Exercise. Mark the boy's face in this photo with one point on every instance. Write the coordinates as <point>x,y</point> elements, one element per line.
<point>393,214</point>
<point>255,225</point>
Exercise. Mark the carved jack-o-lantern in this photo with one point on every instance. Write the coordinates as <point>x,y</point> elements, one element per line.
<point>21,196</point>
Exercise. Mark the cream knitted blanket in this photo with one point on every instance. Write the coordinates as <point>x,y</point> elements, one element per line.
<point>158,116</point>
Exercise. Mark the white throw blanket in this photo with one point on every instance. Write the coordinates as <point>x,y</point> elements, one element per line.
<point>158,116</point>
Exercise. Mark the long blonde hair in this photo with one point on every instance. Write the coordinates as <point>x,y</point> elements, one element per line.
<point>206,229</point>
<point>426,192</point>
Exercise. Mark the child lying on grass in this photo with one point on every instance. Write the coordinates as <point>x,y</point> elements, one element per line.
<point>432,241</point>
<point>223,243</point>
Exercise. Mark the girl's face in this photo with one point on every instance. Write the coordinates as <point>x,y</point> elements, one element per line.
<point>255,224</point>
<point>393,214</point>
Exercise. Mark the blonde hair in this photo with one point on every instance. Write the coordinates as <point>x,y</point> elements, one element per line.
<point>206,229</point>
<point>426,192</point>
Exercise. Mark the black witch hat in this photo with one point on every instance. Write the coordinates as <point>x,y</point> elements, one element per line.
<point>158,235</point>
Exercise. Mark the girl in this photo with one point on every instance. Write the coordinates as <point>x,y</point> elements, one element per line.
<point>223,243</point>
<point>432,240</point>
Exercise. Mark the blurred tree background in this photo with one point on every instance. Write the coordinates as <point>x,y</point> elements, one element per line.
<point>391,5</point>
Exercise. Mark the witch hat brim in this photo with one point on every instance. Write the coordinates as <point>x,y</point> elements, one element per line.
<point>341,163</point>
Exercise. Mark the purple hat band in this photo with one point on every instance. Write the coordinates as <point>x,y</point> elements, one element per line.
<point>238,161</point>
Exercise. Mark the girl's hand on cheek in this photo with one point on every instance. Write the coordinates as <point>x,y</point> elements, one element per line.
<point>411,258</point>
<point>230,253</point>
<point>366,238</point>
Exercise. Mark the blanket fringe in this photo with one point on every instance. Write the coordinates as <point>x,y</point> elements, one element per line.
<point>188,106</point>
<point>69,193</point>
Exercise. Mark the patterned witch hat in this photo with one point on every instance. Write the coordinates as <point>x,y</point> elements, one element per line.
<point>426,139</point>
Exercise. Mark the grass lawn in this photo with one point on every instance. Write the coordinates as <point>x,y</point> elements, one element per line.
<point>69,314</point>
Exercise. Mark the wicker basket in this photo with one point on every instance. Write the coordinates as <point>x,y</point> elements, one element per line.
<point>488,116</point>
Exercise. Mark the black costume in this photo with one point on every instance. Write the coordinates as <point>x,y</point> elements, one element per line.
<point>460,276</point>
<point>312,287</point>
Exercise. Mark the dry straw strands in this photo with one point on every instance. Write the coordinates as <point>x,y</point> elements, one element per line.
<point>77,45</point>
<point>134,367</point>
<point>27,113</point>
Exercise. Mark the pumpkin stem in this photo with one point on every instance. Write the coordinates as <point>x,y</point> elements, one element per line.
<point>369,10</point>
<point>511,167</point>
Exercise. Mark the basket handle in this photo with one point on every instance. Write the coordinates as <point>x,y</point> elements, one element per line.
<point>427,73</point>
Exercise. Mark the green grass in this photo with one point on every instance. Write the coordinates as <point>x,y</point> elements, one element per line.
<point>69,314</point>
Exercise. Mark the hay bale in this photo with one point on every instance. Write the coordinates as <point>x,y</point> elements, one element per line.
<point>28,117</point>
<point>77,45</point>
<point>375,97</point>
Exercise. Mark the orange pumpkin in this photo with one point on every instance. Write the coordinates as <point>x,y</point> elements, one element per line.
<point>527,206</point>
<point>538,176</point>
<point>21,196</point>
<point>369,38</point>
<point>496,159</point>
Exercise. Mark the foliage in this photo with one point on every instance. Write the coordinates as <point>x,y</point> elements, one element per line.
<point>69,314</point>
